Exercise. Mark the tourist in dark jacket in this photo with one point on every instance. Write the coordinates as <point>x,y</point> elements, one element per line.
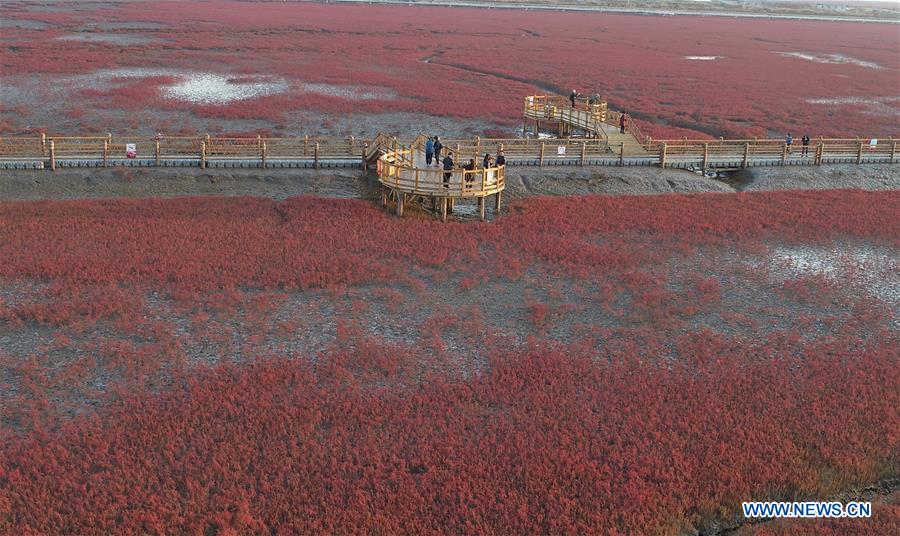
<point>573,96</point>
<point>501,160</point>
<point>448,169</point>
<point>486,163</point>
<point>429,151</point>
<point>438,146</point>
<point>468,175</point>
<point>622,119</point>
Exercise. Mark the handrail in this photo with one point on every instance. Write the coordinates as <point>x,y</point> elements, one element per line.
<point>202,148</point>
<point>612,118</point>
<point>397,170</point>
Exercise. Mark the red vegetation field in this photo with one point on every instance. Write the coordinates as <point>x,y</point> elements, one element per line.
<point>689,76</point>
<point>581,365</point>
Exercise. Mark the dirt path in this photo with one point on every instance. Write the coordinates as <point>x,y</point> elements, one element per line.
<point>520,182</point>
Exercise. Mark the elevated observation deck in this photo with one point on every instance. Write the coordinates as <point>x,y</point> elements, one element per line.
<point>405,175</point>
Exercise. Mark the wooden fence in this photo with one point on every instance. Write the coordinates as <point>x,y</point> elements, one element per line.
<point>104,151</point>
<point>585,115</point>
<point>96,151</point>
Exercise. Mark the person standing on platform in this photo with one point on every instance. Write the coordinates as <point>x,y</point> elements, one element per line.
<point>468,174</point>
<point>573,96</point>
<point>501,160</point>
<point>622,119</point>
<point>489,167</point>
<point>788,142</point>
<point>429,151</point>
<point>437,150</point>
<point>805,141</point>
<point>448,169</point>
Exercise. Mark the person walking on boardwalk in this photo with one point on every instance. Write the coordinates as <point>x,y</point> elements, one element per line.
<point>448,169</point>
<point>437,150</point>
<point>805,141</point>
<point>429,151</point>
<point>573,96</point>
<point>622,118</point>
<point>788,142</point>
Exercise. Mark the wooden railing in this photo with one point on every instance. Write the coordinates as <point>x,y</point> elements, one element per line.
<point>98,151</point>
<point>398,170</point>
<point>554,107</point>
<point>613,118</point>
<point>108,150</point>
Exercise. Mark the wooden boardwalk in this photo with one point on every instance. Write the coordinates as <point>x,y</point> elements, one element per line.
<point>600,144</point>
<point>594,121</point>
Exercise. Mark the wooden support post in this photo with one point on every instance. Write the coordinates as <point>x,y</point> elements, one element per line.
<point>352,139</point>
<point>450,202</point>
<point>746,155</point>
<point>306,145</point>
<point>622,154</point>
<point>583,151</point>
<point>893,149</point>
<point>542,154</point>
<point>264,149</point>
<point>401,198</point>
<point>537,127</point>
<point>316,156</point>
<point>497,202</point>
<point>477,149</point>
<point>525,127</point>
<point>365,163</point>
<point>384,197</point>
<point>156,153</point>
<point>784,154</point>
<point>820,152</point>
<point>417,179</point>
<point>481,207</point>
<point>859,153</point>
<point>705,157</point>
<point>662,155</point>
<point>43,143</point>
<point>203,155</point>
<point>52,155</point>
<point>105,152</point>
<point>444,209</point>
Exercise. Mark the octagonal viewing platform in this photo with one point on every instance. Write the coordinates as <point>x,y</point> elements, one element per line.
<point>405,176</point>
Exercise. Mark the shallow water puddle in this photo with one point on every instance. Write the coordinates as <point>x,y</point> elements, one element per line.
<point>836,59</point>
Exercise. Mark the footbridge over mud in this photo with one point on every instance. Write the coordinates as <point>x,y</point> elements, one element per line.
<point>588,134</point>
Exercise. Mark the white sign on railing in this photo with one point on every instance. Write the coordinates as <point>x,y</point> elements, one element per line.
<point>130,150</point>
<point>561,150</point>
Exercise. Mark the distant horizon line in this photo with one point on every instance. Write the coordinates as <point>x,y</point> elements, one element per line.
<point>632,10</point>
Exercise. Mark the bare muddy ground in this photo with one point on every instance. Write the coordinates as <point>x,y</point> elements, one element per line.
<point>521,182</point>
